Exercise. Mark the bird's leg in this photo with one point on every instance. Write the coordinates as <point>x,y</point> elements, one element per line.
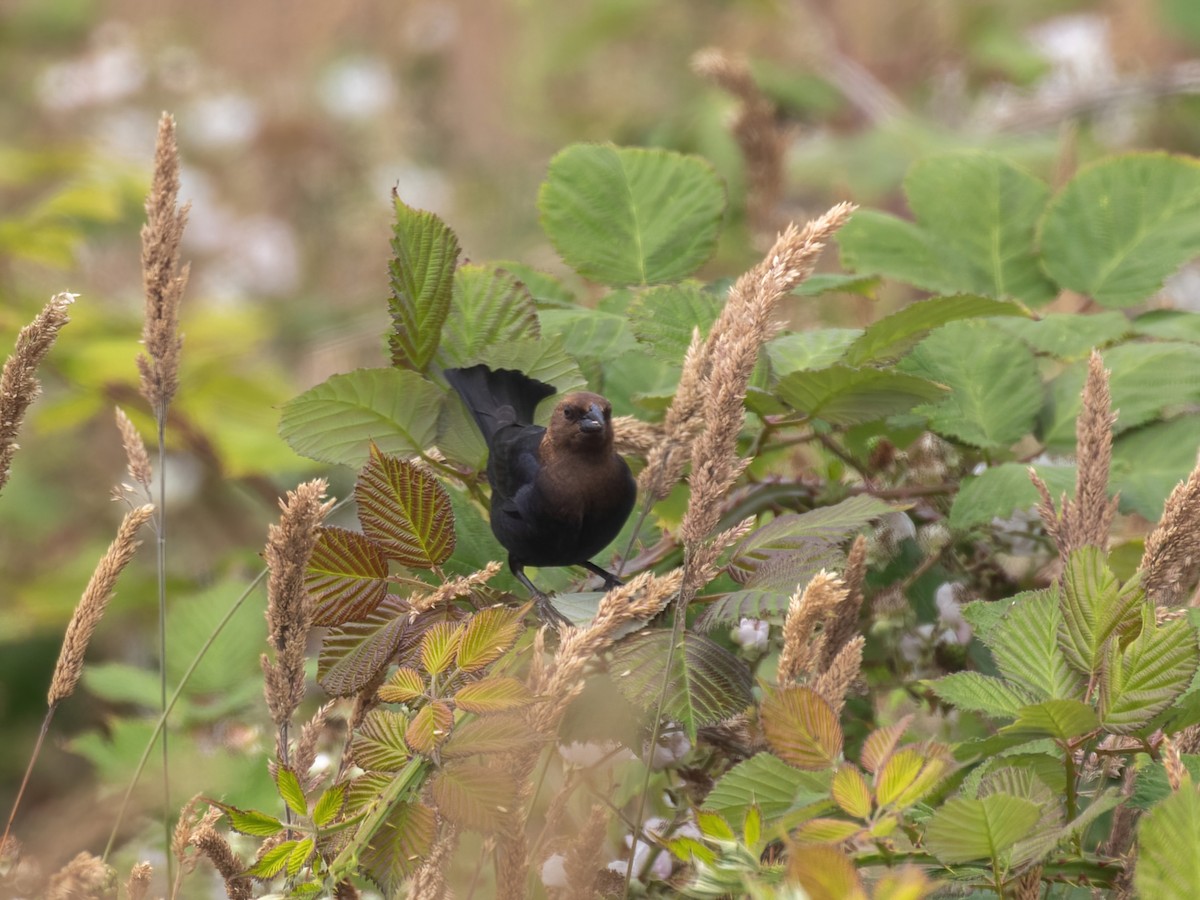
<point>541,601</point>
<point>610,580</point>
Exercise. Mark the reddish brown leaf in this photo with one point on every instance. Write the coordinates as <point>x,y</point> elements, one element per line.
<point>404,509</point>
<point>347,576</point>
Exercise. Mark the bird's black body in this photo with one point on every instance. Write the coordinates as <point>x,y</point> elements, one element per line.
<point>559,494</point>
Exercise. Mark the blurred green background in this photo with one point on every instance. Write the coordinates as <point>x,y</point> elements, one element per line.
<point>295,122</point>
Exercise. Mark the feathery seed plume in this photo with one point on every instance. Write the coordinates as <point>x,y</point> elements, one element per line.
<point>138,885</point>
<point>85,877</point>
<point>136,455</point>
<point>842,626</point>
<point>809,608</point>
<point>1172,555</point>
<point>212,844</point>
<point>584,860</point>
<point>835,681</point>
<point>19,386</point>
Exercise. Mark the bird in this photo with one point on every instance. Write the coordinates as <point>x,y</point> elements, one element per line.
<point>560,494</point>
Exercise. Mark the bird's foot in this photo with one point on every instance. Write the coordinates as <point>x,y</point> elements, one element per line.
<point>547,613</point>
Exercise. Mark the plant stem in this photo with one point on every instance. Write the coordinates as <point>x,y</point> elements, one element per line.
<point>37,749</point>
<point>161,416</point>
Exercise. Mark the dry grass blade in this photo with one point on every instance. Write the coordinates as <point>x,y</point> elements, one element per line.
<point>19,386</point>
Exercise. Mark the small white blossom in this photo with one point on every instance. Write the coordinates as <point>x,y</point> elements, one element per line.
<point>751,634</point>
<point>554,871</point>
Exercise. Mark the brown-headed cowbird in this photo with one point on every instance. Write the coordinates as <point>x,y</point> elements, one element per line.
<point>559,494</point>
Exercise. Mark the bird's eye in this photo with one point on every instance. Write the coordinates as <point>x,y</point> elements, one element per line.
<point>571,413</point>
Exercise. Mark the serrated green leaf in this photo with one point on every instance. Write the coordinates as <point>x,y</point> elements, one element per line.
<point>1148,381</point>
<point>1043,841</point>
<point>378,744</point>
<point>1149,461</point>
<point>430,727</point>
<point>836,283</point>
<point>399,846</point>
<point>473,796</point>
<point>250,821</point>
<point>1094,606</point>
<point>664,317</point>
<point>706,682</point>
<point>1068,335</point>
<point>489,306</point>
<point>438,646</point>
<point>403,685</point>
<point>488,635</point>
<point>497,693</point>
<point>995,391</point>
<point>1143,679</point>
<point>881,743</point>
<point>590,333</point>
<point>1166,324</point>
<point>346,576</point>
<point>1025,646</point>
<point>354,654</point>
<point>999,491</point>
<point>825,831</point>
<point>403,508</point>
<point>769,783</point>
<point>273,861</point>
<point>801,727</point>
<point>299,856</point>
<point>908,774</point>
<point>329,804</point>
<point>546,360</point>
<point>976,213</point>
<point>808,350</point>
<point>623,215</point>
<point>489,735</point>
<point>963,830</point>
<point>337,421</point>
<point>892,336</point>
<point>1058,719</point>
<point>289,789</point>
<point>850,791</point>
<point>424,254</point>
<point>1168,866</point>
<point>1152,785</point>
<point>752,827</point>
<point>842,395</point>
<point>1122,226</point>
<point>981,693</point>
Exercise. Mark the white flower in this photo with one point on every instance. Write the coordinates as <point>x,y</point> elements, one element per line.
<point>751,634</point>
<point>671,747</point>
<point>554,871</point>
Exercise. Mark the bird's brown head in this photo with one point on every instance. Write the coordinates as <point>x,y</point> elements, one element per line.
<point>582,422</point>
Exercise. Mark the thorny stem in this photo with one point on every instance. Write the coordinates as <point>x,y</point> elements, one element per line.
<point>37,749</point>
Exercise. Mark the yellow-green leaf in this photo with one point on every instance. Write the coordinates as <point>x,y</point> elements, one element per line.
<point>328,805</point>
<point>850,791</point>
<point>495,694</point>
<point>379,744</point>
<point>405,684</point>
<point>490,734</point>
<point>404,509</point>
<point>488,634</point>
<point>299,856</point>
<point>429,727</point>
<point>802,728</point>
<point>290,791</point>
<point>438,646</point>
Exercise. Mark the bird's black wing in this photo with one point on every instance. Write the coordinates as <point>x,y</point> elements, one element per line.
<point>513,467</point>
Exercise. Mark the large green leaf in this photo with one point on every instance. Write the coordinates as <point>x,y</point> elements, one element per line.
<point>546,360</point>
<point>664,317</point>
<point>590,333</point>
<point>378,744</point>
<point>964,830</point>
<point>473,795</point>
<point>1122,226</point>
<point>1057,719</point>
<point>998,492</point>
<point>489,306</point>
<point>355,653</point>
<point>399,846</point>
<point>337,421</point>
<point>1147,380</point>
<point>1144,678</point>
<point>1166,324</point>
<point>893,335</point>
<point>1024,643</point>
<point>806,350</point>
<point>1168,866</point>
<point>981,693</point>
<point>1068,335</point>
<point>1094,606</point>
<point>705,684</point>
<point>1149,461</point>
<point>424,254</point>
<point>622,215</point>
<point>843,395</point>
<point>995,391</point>
<point>976,215</point>
<point>346,576</point>
<point>769,783</point>
<point>404,509</point>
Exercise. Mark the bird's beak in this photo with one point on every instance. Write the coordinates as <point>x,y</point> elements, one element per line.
<point>593,420</point>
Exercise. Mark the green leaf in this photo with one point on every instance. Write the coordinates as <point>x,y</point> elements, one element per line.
<point>497,693</point>
<point>378,744</point>
<point>1149,461</point>
<point>473,795</point>
<point>769,783</point>
<point>399,846</point>
<point>1168,867</point>
<point>963,830</point>
<point>289,789</point>
<point>489,735</point>
<point>548,291</point>
<point>892,336</point>
<point>1152,784</point>
<point>404,509</point>
<point>908,774</point>
<point>664,318</point>
<point>122,683</point>
<point>250,821</point>
<point>995,391</point>
<point>546,360</point>
<point>429,728</point>
<point>352,655</point>
<point>1068,335</point>
<point>405,684</point>
<point>1058,719</point>
<point>488,636</point>
<point>851,792</point>
<point>1166,324</point>
<point>981,693</point>
<point>329,804</point>
<point>346,575</point>
<point>424,254</point>
<point>489,306</point>
<point>1025,646</point>
<point>1094,606</point>
<point>1144,678</point>
<point>807,350</point>
<point>802,727</point>
<point>299,856</point>
<point>842,395</point>
<point>706,682</point>
<point>590,333</point>
<point>622,215</point>
<point>1122,226</point>
<point>273,861</point>
<point>976,213</point>
<point>836,283</point>
<point>438,646</point>
<point>999,491</point>
<point>337,421</point>
<point>1147,381</point>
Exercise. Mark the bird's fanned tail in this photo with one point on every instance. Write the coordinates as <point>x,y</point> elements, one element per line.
<point>498,397</point>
